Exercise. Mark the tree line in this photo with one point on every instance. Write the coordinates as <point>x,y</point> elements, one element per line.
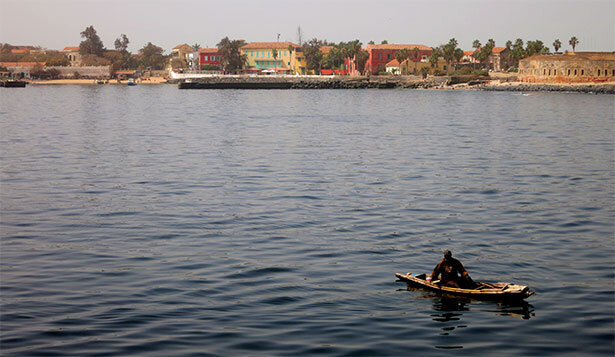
<point>94,53</point>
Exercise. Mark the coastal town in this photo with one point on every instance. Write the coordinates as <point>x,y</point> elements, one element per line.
<point>398,65</point>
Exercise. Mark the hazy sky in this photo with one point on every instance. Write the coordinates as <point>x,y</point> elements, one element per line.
<point>54,24</point>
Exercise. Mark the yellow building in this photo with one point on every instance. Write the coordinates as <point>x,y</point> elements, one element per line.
<point>408,67</point>
<point>259,56</point>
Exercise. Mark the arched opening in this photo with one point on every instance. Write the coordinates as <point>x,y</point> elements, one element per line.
<point>598,73</point>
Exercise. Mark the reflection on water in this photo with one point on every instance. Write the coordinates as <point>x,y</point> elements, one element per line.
<point>449,305</point>
<point>449,311</point>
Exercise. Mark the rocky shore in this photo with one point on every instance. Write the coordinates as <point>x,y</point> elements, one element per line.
<point>597,88</point>
<point>390,82</point>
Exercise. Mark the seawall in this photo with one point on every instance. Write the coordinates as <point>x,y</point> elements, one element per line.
<point>389,82</point>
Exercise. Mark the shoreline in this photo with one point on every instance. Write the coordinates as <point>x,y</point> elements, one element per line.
<point>151,80</point>
<point>471,83</point>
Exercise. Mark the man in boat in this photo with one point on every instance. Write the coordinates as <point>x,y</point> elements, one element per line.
<point>452,273</point>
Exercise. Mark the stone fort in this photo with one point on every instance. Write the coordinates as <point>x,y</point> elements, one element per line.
<point>569,67</point>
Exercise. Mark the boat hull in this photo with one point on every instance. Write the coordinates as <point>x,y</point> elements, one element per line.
<point>13,84</point>
<point>486,291</point>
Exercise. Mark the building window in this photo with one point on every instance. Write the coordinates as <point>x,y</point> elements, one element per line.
<point>582,72</point>
<point>598,73</point>
<point>389,56</point>
<point>575,72</point>
<point>544,71</point>
<point>380,56</point>
<point>568,71</point>
<point>555,72</point>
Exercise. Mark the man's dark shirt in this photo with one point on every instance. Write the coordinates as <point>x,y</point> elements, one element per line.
<point>449,269</point>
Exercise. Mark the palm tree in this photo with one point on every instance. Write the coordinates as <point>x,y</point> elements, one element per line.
<point>402,55</point>
<point>195,53</point>
<point>573,42</point>
<point>475,45</point>
<point>232,59</point>
<point>557,44</point>
<point>274,54</point>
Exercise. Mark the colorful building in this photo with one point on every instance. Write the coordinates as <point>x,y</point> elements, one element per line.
<point>393,66</point>
<point>380,55</point>
<point>210,56</point>
<point>410,67</point>
<point>289,57</point>
<point>568,68</point>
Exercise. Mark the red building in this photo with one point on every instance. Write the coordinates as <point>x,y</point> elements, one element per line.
<point>380,55</point>
<point>210,56</point>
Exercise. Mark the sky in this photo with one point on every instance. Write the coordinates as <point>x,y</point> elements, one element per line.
<point>55,24</point>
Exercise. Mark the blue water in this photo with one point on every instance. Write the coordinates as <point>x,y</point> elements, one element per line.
<point>153,221</point>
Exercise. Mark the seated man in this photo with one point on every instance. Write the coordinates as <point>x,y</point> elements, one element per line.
<point>452,273</point>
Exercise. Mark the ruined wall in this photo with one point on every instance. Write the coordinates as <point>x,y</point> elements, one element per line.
<point>566,69</point>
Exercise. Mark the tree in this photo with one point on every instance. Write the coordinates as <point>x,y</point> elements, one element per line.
<point>402,55</point>
<point>93,60</point>
<point>361,59</point>
<point>517,52</point>
<point>557,44</point>
<point>509,44</point>
<point>57,59</point>
<point>371,42</point>
<point>313,55</point>
<point>384,42</point>
<point>476,44</point>
<point>232,59</point>
<point>482,54</point>
<point>435,55</point>
<point>92,45</point>
<point>458,55</point>
<point>194,57</point>
<point>448,51</point>
<point>573,42</point>
<point>274,54</point>
<point>415,54</point>
<point>151,56</point>
<point>424,71</point>
<point>535,47</point>
<point>121,43</point>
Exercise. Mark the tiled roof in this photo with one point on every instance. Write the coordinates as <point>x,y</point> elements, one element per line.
<point>468,53</point>
<point>180,46</point>
<point>498,49</point>
<point>21,50</point>
<point>268,45</point>
<point>209,50</point>
<point>391,46</point>
<point>393,63</point>
<point>21,64</point>
<point>325,49</point>
<point>71,48</point>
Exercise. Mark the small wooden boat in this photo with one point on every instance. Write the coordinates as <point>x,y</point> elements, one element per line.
<point>12,83</point>
<point>487,291</point>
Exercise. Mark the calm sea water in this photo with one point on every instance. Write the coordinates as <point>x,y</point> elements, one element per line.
<point>152,221</point>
